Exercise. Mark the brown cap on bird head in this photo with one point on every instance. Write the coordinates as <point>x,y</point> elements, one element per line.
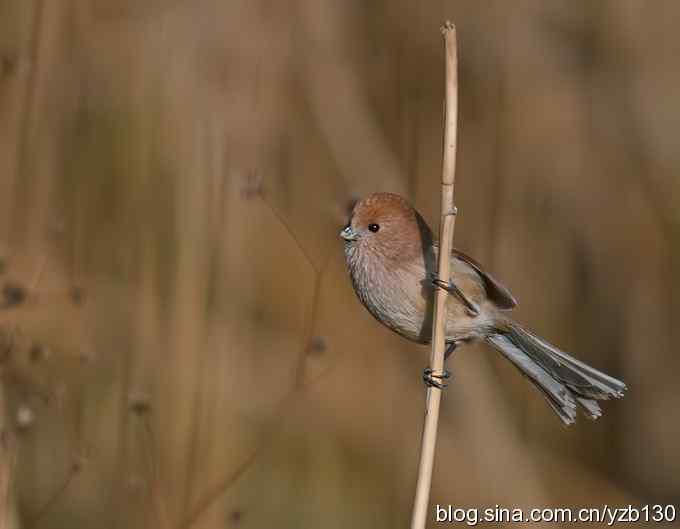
<point>387,224</point>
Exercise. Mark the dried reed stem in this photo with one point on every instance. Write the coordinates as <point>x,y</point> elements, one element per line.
<point>446,228</point>
<point>7,463</point>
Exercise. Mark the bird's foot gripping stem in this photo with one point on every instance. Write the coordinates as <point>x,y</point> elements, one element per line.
<point>471,307</point>
<point>450,348</point>
<point>434,380</point>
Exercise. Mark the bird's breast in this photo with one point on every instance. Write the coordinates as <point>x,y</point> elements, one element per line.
<point>397,296</point>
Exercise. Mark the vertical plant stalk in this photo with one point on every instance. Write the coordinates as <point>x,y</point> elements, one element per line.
<point>7,464</point>
<point>446,229</point>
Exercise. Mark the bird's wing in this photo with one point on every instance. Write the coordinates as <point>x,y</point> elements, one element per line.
<point>496,291</point>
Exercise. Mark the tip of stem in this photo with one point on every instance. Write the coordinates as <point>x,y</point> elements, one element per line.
<point>447,27</point>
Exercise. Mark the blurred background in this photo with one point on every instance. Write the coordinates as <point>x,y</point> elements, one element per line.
<point>180,346</point>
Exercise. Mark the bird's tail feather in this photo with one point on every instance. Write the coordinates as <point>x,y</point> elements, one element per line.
<point>564,381</point>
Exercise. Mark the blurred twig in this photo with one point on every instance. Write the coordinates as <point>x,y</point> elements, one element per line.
<point>256,190</point>
<point>446,229</point>
<point>37,275</point>
<point>299,385</point>
<point>7,463</point>
<point>30,112</point>
<point>308,337</point>
<point>154,480</point>
<point>221,487</point>
<point>74,469</point>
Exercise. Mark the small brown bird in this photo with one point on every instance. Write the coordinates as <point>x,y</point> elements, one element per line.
<point>392,261</point>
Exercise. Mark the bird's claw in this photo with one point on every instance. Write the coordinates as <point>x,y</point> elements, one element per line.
<point>471,307</point>
<point>450,348</point>
<point>429,377</point>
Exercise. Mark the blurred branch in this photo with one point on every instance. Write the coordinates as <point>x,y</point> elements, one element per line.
<point>308,338</point>
<point>7,464</point>
<point>74,469</point>
<point>29,101</point>
<point>223,486</point>
<point>44,23</point>
<point>298,387</point>
<point>37,275</point>
<point>339,102</point>
<point>254,189</point>
<point>446,229</point>
<point>154,484</point>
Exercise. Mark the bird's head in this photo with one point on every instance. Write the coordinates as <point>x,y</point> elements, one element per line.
<point>386,226</point>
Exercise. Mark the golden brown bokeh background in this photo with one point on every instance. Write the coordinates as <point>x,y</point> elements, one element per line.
<point>179,343</point>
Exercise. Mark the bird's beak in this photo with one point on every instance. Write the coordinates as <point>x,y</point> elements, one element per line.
<point>349,234</point>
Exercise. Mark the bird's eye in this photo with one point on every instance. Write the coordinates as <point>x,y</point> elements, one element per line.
<point>373,227</point>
